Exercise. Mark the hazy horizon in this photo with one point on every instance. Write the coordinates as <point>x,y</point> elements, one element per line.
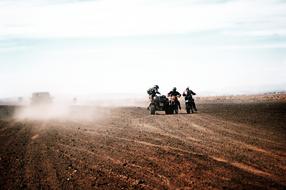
<point>88,47</point>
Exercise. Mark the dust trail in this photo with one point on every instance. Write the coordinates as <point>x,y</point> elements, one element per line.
<point>60,112</point>
<point>87,110</point>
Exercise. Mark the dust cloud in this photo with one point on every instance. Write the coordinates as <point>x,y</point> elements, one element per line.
<point>60,112</point>
<point>83,109</point>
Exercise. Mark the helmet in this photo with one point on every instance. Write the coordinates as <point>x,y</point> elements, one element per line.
<point>188,88</point>
<point>174,89</point>
<point>156,86</point>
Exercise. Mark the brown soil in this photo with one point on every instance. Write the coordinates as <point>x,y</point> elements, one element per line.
<point>224,146</point>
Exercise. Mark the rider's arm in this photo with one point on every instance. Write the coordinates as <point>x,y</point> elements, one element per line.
<point>193,93</point>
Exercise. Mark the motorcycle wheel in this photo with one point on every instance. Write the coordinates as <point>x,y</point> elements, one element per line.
<point>188,110</point>
<point>168,110</point>
<point>176,111</point>
<point>152,109</point>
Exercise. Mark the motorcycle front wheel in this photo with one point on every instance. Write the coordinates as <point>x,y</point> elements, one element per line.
<point>188,110</point>
<point>176,111</point>
<point>152,109</point>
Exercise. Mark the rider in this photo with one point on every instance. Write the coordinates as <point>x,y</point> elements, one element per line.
<point>175,93</point>
<point>153,92</point>
<point>188,94</point>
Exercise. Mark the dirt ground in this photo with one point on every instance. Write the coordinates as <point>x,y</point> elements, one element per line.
<point>223,146</point>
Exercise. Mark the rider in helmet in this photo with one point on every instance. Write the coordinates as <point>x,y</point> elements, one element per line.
<point>153,91</point>
<point>174,92</point>
<point>188,94</point>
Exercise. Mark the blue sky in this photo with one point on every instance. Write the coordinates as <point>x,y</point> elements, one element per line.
<point>85,47</point>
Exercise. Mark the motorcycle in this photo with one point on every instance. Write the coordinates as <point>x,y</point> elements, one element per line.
<point>174,103</point>
<point>160,103</point>
<point>189,105</point>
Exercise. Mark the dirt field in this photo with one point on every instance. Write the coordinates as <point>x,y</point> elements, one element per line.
<point>224,146</point>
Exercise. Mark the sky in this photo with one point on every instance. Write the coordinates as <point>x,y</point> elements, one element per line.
<point>81,47</point>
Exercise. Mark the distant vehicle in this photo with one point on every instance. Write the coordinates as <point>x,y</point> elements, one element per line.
<point>41,98</point>
<point>160,103</point>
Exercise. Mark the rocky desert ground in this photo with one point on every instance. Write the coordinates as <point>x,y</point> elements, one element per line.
<point>228,144</point>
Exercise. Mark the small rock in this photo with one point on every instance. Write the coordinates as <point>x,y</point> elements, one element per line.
<point>139,181</point>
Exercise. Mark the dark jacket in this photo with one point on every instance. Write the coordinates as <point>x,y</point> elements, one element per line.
<point>174,93</point>
<point>188,94</point>
<point>153,91</point>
